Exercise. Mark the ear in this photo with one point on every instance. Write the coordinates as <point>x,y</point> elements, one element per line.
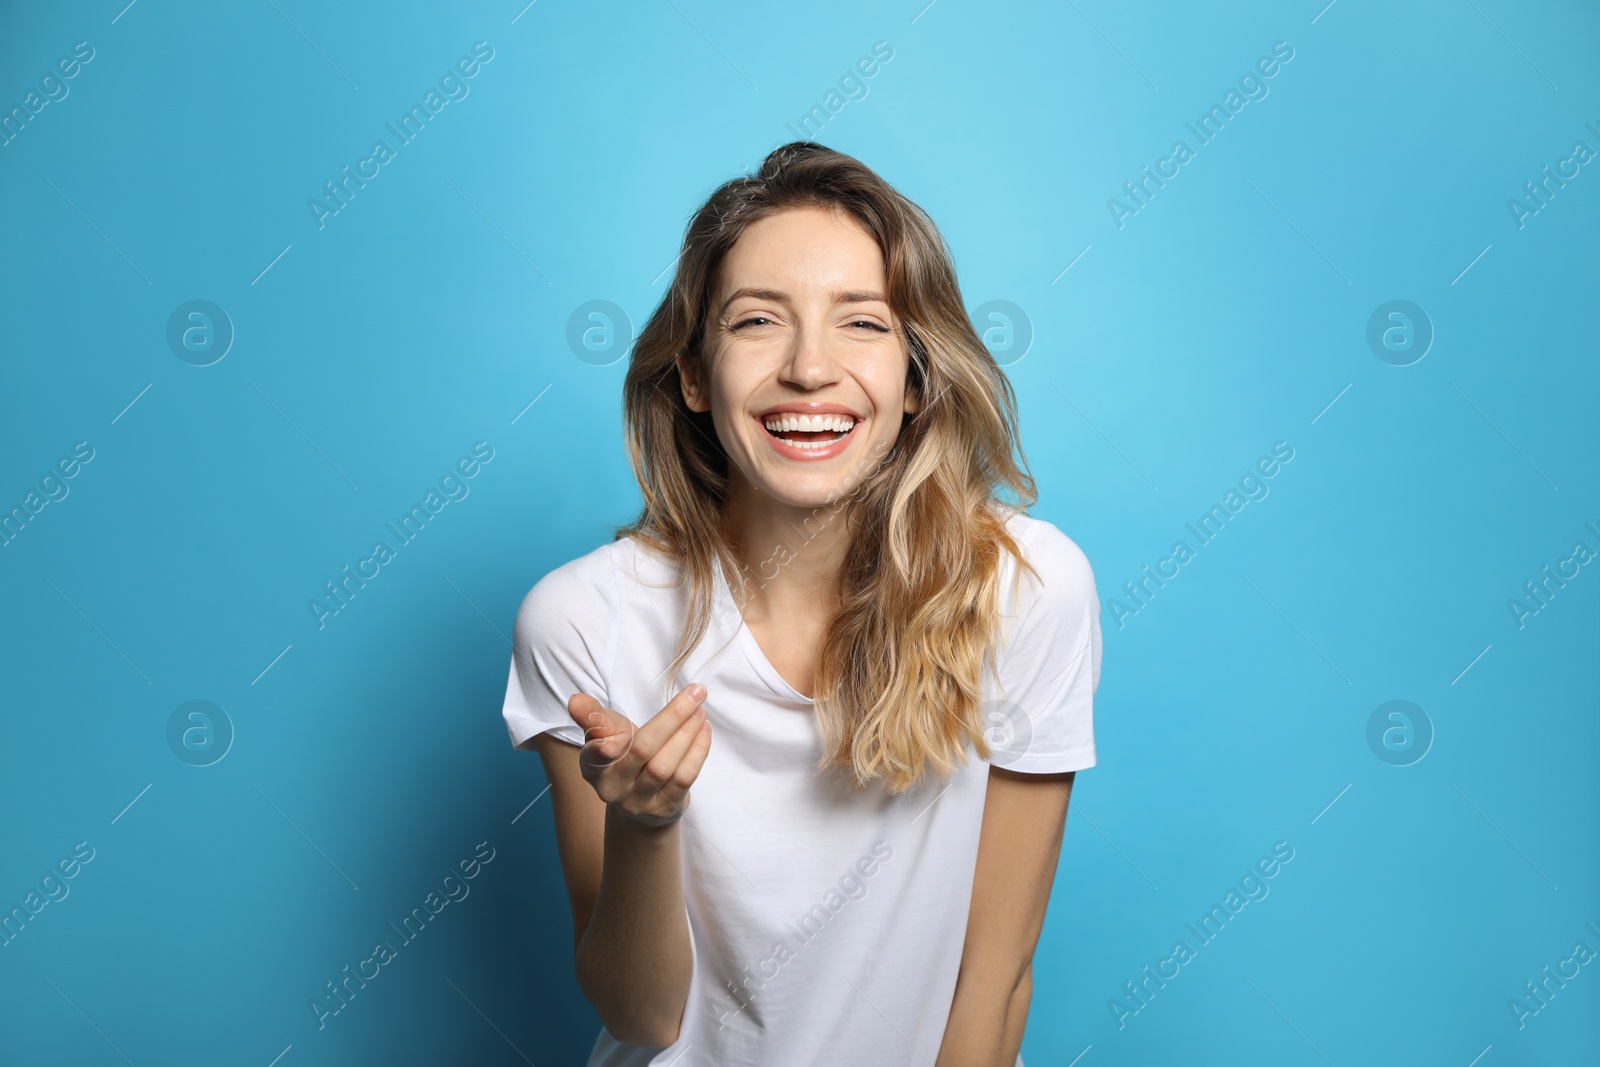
<point>913,400</point>
<point>689,378</point>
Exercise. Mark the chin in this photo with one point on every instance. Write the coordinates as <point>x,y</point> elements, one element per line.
<point>812,484</point>
<point>811,492</point>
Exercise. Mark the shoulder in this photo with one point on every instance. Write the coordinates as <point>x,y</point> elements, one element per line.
<point>1051,630</point>
<point>579,591</point>
<point>590,572</point>
<point>1063,578</point>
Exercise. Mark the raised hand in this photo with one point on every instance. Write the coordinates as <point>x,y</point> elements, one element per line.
<point>644,772</point>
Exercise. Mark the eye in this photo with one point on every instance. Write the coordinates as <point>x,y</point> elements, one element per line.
<point>870,325</point>
<point>749,321</point>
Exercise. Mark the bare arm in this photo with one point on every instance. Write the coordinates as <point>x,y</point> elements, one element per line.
<point>1018,848</point>
<point>631,945</point>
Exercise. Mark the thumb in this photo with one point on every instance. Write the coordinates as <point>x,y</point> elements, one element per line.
<point>603,728</point>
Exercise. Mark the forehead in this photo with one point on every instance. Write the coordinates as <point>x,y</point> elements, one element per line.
<point>803,248</point>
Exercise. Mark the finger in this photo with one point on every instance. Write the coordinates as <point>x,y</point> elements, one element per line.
<point>661,767</point>
<point>675,789</point>
<point>607,734</point>
<point>689,767</point>
<point>655,733</point>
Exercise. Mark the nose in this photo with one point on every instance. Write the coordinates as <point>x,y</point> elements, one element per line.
<point>811,363</point>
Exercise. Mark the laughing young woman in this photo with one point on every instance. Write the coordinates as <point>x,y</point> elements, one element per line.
<point>873,675</point>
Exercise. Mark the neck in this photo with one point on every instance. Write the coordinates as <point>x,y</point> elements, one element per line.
<point>791,556</point>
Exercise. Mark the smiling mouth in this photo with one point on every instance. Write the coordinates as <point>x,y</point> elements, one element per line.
<point>809,431</point>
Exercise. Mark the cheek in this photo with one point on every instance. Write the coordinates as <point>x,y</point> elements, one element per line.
<point>726,421</point>
<point>888,388</point>
<point>730,379</point>
<point>734,427</point>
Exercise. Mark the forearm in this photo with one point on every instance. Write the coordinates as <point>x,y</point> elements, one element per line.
<point>634,961</point>
<point>987,1020</point>
<point>1017,1019</point>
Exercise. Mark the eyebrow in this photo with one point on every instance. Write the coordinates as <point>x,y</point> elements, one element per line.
<point>844,296</point>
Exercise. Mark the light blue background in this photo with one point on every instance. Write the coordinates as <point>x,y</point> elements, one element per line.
<point>1229,314</point>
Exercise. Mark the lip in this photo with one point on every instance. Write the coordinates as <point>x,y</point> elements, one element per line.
<point>804,455</point>
<point>788,451</point>
<point>814,407</point>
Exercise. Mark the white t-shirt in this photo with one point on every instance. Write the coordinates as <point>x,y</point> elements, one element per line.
<point>827,925</point>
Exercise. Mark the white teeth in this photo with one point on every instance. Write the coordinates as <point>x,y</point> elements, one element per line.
<point>790,421</point>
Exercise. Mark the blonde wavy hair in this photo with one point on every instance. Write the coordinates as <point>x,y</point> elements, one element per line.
<point>898,684</point>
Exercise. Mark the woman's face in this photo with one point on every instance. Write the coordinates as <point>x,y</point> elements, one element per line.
<point>799,330</point>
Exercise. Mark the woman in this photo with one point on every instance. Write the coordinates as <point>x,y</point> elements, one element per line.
<point>862,874</point>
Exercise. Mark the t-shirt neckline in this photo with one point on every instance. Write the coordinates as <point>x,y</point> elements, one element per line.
<point>751,647</point>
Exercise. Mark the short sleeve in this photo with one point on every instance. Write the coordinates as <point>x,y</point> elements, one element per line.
<point>562,644</point>
<point>1050,668</point>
